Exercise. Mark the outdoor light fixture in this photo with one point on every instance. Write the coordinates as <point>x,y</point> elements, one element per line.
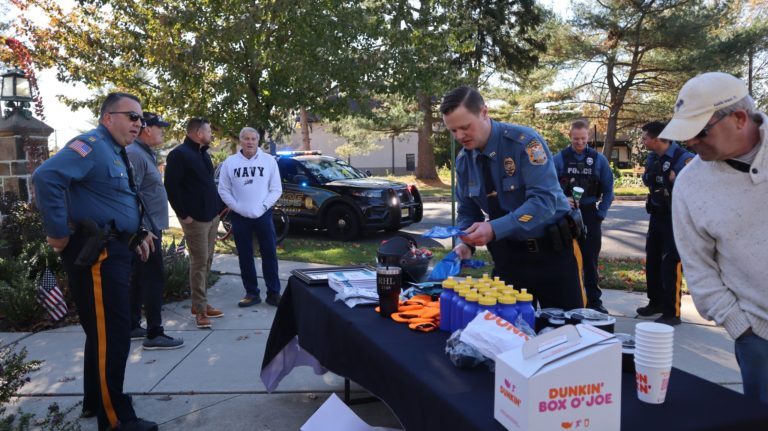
<point>15,92</point>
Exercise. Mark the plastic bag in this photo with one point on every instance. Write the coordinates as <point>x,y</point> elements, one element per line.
<point>472,263</point>
<point>462,354</point>
<point>448,266</point>
<point>443,232</point>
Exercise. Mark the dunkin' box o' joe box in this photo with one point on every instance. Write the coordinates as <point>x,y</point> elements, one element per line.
<point>566,379</point>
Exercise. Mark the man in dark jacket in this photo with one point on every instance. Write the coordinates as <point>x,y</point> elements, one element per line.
<point>193,196</point>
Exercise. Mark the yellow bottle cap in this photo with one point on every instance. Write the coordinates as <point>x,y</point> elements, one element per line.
<point>507,300</point>
<point>450,283</point>
<point>472,297</point>
<point>524,295</point>
<point>488,300</point>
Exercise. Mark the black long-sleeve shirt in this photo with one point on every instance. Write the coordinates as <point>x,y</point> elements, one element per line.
<point>189,182</point>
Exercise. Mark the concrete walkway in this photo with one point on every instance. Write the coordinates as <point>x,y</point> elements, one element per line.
<point>213,380</point>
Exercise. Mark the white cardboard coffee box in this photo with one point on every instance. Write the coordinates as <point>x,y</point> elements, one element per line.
<point>566,379</point>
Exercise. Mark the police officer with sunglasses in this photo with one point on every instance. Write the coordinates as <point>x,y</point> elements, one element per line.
<point>91,214</point>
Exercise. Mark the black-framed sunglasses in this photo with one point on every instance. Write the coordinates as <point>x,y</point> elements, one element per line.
<point>708,127</point>
<point>131,115</point>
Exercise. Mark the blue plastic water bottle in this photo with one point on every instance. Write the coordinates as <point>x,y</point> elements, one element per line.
<point>445,303</point>
<point>487,303</point>
<point>525,307</point>
<point>457,309</point>
<point>507,308</point>
<point>470,309</point>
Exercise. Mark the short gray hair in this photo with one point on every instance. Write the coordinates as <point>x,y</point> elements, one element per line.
<point>249,130</point>
<point>746,104</point>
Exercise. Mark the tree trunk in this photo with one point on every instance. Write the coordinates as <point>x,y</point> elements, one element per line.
<point>304,130</point>
<point>610,133</point>
<point>425,167</point>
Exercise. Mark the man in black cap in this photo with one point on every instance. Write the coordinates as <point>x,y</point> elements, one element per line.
<point>147,280</point>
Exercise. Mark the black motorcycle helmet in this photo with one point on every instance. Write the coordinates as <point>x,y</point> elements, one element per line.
<point>402,251</point>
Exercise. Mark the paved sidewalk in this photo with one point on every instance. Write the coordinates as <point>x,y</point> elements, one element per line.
<point>213,380</point>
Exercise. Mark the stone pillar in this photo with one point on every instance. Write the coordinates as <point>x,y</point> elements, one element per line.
<point>23,147</point>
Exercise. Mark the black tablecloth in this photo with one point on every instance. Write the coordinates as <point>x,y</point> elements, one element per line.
<point>411,373</point>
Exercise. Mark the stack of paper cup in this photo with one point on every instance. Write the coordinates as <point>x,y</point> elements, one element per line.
<point>653,360</point>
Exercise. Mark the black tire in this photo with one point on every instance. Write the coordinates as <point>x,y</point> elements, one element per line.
<point>342,223</point>
<point>282,224</point>
<point>225,225</point>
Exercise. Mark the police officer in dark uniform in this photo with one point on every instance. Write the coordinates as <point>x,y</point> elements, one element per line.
<point>506,171</point>
<point>87,198</point>
<point>581,166</point>
<point>664,275</point>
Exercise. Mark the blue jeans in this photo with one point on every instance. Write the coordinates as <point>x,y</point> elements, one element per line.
<point>752,356</point>
<point>243,229</point>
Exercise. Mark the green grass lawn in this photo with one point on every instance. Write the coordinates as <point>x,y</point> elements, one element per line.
<point>619,274</point>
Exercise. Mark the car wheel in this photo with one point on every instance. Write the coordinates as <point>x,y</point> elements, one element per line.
<point>342,223</point>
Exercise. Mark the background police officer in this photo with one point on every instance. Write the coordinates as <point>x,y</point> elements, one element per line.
<point>506,172</point>
<point>581,166</point>
<point>664,275</point>
<point>90,212</point>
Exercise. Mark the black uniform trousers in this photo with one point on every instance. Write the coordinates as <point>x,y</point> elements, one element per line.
<point>554,278</point>
<point>590,251</point>
<point>102,296</point>
<point>664,273</point>
<point>147,287</point>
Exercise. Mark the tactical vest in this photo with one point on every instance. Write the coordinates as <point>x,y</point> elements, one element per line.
<point>580,173</point>
<point>660,186</point>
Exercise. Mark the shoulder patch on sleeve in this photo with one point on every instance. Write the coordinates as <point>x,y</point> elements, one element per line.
<point>525,218</point>
<point>688,160</point>
<point>536,153</point>
<point>80,147</point>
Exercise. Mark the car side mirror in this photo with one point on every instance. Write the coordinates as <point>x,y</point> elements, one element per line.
<point>301,180</point>
<point>368,173</point>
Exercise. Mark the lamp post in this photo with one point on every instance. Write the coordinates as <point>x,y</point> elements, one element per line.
<point>16,93</point>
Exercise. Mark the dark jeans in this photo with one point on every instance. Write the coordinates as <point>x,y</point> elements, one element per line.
<point>147,286</point>
<point>590,251</point>
<point>663,270</point>
<point>243,229</point>
<point>752,356</point>
<point>554,278</point>
<point>102,295</point>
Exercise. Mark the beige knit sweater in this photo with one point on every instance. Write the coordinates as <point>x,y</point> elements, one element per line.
<point>720,218</point>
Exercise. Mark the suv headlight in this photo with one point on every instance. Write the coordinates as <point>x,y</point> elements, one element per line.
<point>367,193</point>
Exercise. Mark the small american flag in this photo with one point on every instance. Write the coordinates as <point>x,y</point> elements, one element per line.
<point>172,247</point>
<point>80,147</point>
<point>50,296</point>
<point>182,248</point>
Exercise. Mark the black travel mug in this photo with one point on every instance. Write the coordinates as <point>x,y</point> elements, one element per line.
<point>388,283</point>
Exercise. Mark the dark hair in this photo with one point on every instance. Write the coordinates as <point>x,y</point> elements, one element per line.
<point>195,123</point>
<point>464,95</point>
<point>654,128</point>
<point>112,99</point>
<point>579,124</point>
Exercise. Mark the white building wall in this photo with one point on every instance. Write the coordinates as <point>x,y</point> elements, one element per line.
<point>379,162</point>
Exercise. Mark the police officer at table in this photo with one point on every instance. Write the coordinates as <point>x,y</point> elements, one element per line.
<point>90,210</point>
<point>578,165</point>
<point>506,171</point>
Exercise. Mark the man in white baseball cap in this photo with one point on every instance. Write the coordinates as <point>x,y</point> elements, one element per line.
<point>718,214</point>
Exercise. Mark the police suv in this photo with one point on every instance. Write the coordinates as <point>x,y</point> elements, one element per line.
<point>328,193</point>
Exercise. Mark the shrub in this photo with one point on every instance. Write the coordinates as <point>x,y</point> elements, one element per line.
<point>18,296</point>
<point>176,275</point>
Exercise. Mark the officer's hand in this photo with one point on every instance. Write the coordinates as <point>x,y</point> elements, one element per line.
<point>57,244</point>
<point>143,251</point>
<point>187,220</point>
<point>480,233</point>
<point>672,175</point>
<point>463,251</point>
<point>573,204</point>
<point>150,240</point>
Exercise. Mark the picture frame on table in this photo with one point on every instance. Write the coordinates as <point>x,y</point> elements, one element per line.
<point>319,276</point>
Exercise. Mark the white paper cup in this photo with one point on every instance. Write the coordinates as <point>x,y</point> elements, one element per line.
<point>654,328</point>
<point>654,347</point>
<point>652,382</point>
<point>654,362</point>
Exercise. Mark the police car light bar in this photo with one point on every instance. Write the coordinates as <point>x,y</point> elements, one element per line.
<point>299,153</point>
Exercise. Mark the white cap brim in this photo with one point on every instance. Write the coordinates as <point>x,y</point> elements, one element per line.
<point>683,129</point>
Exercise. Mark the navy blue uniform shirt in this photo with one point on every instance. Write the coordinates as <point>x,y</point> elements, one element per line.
<point>86,179</point>
<point>664,165</point>
<point>600,168</point>
<point>524,176</point>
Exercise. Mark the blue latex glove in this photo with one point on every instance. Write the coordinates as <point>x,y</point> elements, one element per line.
<point>443,232</point>
<point>448,266</point>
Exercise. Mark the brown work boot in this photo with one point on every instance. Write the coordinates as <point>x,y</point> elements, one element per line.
<point>210,311</point>
<point>202,321</point>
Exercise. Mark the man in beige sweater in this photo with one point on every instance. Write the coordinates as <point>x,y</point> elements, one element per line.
<point>718,211</point>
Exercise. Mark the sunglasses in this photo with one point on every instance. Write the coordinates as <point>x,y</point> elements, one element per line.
<point>131,116</point>
<point>708,127</point>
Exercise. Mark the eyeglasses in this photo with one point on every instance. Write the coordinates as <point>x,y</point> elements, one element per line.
<point>708,127</point>
<point>131,116</point>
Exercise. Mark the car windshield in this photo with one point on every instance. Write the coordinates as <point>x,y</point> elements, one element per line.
<point>327,169</point>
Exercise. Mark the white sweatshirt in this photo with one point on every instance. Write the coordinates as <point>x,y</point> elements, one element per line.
<point>250,186</point>
<point>719,216</point>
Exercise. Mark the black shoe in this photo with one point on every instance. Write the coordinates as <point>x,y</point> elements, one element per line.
<point>598,307</point>
<point>88,413</point>
<point>273,299</point>
<point>138,333</point>
<point>669,320</point>
<point>649,310</point>
<point>248,301</point>
<point>138,424</point>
